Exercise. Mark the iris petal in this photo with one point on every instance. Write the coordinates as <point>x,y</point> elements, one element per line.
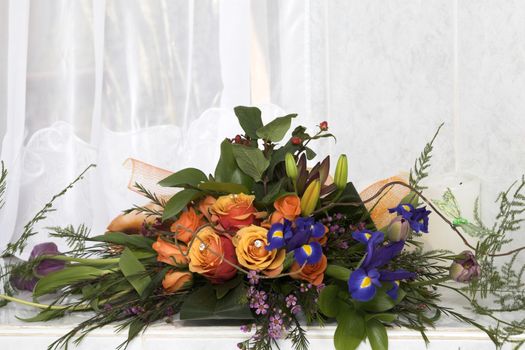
<point>309,253</point>
<point>361,286</point>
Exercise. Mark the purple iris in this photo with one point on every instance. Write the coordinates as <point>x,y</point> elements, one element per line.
<point>416,217</point>
<point>363,282</point>
<point>296,238</point>
<point>42,269</point>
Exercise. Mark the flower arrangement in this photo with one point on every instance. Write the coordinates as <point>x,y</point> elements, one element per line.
<point>270,242</point>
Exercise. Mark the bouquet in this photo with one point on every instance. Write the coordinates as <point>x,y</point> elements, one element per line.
<point>276,243</point>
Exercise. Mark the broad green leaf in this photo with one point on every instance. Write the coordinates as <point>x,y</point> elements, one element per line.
<point>383,317</point>
<point>250,119</point>
<point>224,187</point>
<point>188,176</point>
<point>276,129</point>
<point>134,271</point>
<point>222,289</point>
<point>338,272</point>
<point>69,275</point>
<point>382,302</point>
<point>354,213</point>
<point>121,238</point>
<point>329,304</point>
<point>279,154</point>
<point>251,161</point>
<point>276,191</point>
<point>44,315</point>
<point>178,202</point>
<point>377,335</point>
<point>350,330</point>
<point>204,305</point>
<point>227,169</point>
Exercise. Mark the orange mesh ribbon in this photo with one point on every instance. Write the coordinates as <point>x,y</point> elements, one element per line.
<point>390,198</point>
<point>148,176</point>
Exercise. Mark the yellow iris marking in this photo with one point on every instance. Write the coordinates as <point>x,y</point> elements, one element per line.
<point>307,249</point>
<point>366,282</point>
<point>396,282</point>
<point>278,234</point>
<point>406,207</point>
<point>368,235</point>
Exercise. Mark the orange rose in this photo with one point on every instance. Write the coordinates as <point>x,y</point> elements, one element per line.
<point>208,253</point>
<point>289,206</point>
<point>235,211</point>
<point>176,280</point>
<point>205,205</point>
<point>169,253</point>
<point>312,273</point>
<point>132,223</point>
<point>188,222</point>
<point>250,246</point>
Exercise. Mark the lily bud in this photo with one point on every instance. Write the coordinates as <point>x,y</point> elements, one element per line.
<point>398,230</point>
<point>291,167</point>
<point>465,267</point>
<point>341,172</point>
<point>310,198</point>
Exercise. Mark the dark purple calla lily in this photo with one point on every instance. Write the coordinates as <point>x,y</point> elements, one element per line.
<point>43,268</point>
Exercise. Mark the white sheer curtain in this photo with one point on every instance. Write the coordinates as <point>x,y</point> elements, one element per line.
<point>95,81</point>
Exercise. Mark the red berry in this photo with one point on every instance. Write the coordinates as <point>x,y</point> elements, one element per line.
<point>296,140</point>
<point>323,126</point>
<point>238,139</point>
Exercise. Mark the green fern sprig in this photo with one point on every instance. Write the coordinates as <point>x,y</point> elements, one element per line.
<point>421,165</point>
<point>20,244</point>
<point>75,237</point>
<point>3,184</point>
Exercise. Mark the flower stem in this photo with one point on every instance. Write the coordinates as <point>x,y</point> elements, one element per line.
<point>429,282</point>
<point>91,262</point>
<point>43,306</point>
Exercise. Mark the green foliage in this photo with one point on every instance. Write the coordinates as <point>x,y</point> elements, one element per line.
<point>178,202</point>
<point>184,177</point>
<point>130,241</point>
<point>376,333</point>
<point>223,187</point>
<point>338,272</point>
<point>227,169</point>
<point>251,161</point>
<point>203,304</point>
<point>3,184</point>
<point>329,304</point>
<point>350,331</point>
<point>382,302</point>
<point>421,165</point>
<point>249,119</point>
<point>69,275</point>
<point>275,130</point>
<point>134,271</point>
<point>75,237</point>
<point>20,244</point>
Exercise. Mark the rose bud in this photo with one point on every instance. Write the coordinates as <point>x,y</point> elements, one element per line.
<point>465,267</point>
<point>296,140</point>
<point>398,230</point>
<point>177,280</point>
<point>323,126</point>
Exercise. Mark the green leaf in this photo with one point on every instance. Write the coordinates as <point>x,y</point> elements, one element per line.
<point>188,176</point>
<point>251,161</point>
<point>178,202</point>
<point>224,187</point>
<point>350,330</point>
<point>227,169</point>
<point>383,317</point>
<point>338,272</point>
<point>276,129</point>
<point>329,304</point>
<point>382,302</point>
<point>279,154</point>
<point>310,154</point>
<point>43,316</point>
<point>134,271</point>
<point>377,335</point>
<point>135,327</point>
<point>204,305</point>
<point>250,119</point>
<point>222,289</point>
<point>131,241</point>
<point>69,275</point>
